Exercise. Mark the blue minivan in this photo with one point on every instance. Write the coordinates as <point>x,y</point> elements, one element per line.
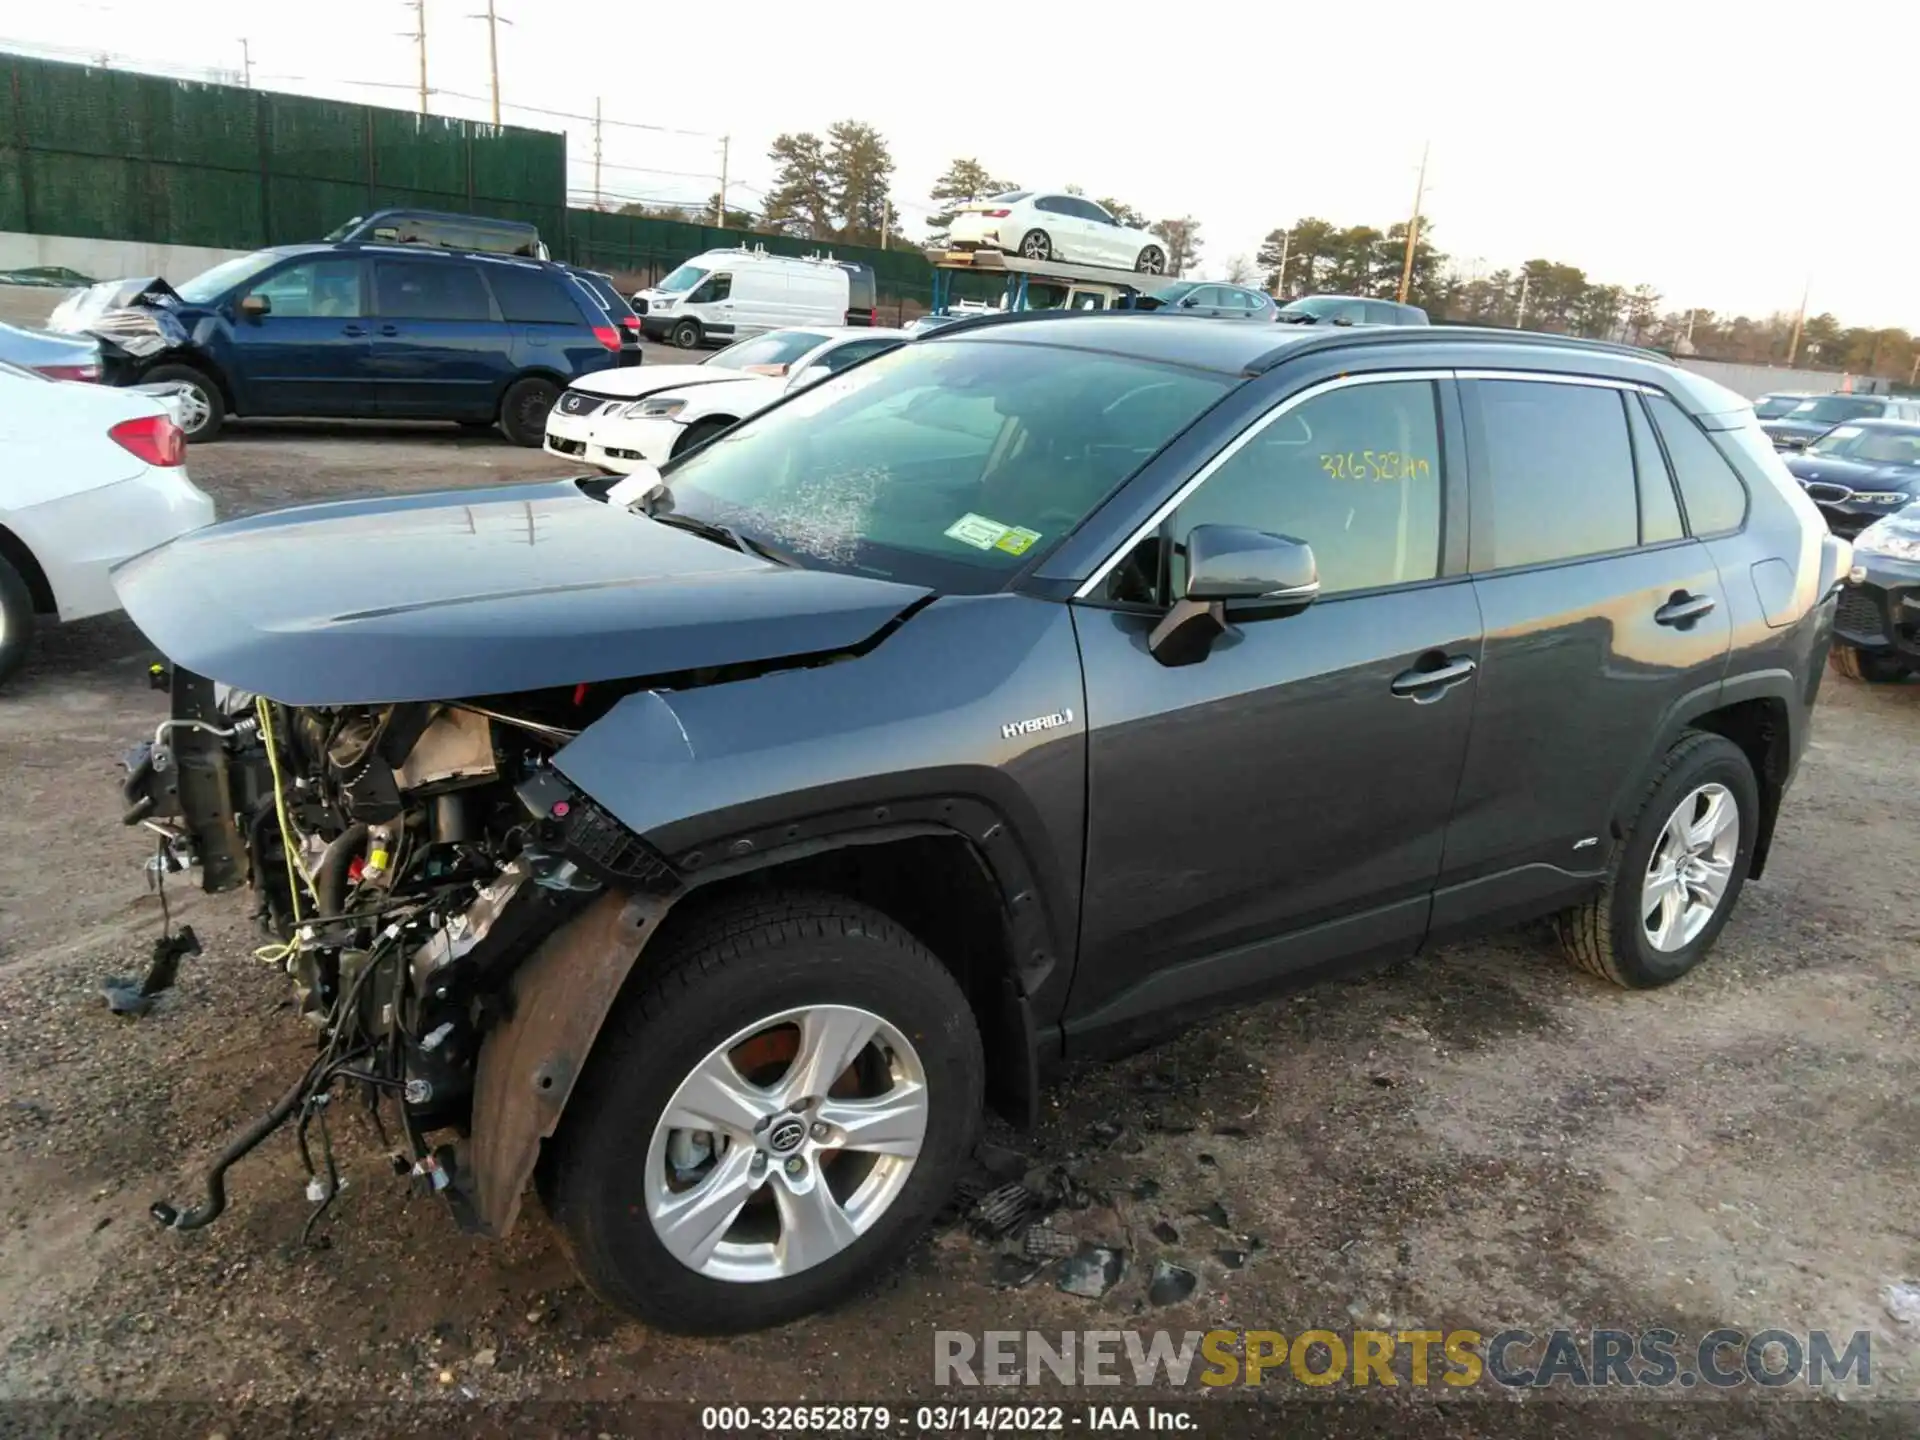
<point>361,331</point>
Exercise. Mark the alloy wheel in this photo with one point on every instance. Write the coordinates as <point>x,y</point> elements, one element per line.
<point>1690,868</point>
<point>786,1143</point>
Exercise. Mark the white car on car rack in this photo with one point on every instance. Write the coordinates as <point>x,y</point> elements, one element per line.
<point>621,420</point>
<point>1053,225</point>
<point>90,475</point>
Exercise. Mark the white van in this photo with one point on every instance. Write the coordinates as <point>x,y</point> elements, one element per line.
<point>728,295</point>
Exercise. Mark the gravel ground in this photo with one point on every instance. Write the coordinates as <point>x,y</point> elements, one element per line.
<point>1482,1139</point>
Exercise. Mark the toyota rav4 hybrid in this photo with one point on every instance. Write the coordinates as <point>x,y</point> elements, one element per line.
<point>709,858</point>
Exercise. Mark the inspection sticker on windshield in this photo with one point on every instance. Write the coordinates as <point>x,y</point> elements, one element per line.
<point>984,534</point>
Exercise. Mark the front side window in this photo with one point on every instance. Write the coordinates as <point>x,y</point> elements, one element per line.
<point>425,290</point>
<point>712,290</point>
<point>1560,480</point>
<point>945,463</point>
<point>1354,472</point>
<point>685,278</point>
<point>1716,501</point>
<point>209,285</point>
<point>326,289</point>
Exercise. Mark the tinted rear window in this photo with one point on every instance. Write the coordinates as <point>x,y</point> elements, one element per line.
<point>1559,466</point>
<point>532,297</point>
<point>1716,501</point>
<point>431,290</point>
<point>611,300</point>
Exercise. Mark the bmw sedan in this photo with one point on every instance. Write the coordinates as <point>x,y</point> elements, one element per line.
<point>1860,472</point>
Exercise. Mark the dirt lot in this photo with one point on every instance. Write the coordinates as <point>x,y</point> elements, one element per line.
<point>1481,1139</point>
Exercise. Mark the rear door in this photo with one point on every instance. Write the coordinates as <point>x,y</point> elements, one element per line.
<point>440,349</point>
<point>1602,617</point>
<point>310,353</point>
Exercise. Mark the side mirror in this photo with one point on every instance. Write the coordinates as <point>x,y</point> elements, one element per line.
<point>1188,302</point>
<point>255,305</point>
<point>812,375</point>
<point>1273,573</point>
<point>636,484</point>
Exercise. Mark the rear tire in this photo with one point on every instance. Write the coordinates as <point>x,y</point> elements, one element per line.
<point>1608,935</point>
<point>523,410</point>
<point>1152,261</point>
<point>699,433</point>
<point>1036,245</point>
<point>1868,665</point>
<point>686,334</point>
<point>613,1164</point>
<point>16,619</point>
<point>208,406</point>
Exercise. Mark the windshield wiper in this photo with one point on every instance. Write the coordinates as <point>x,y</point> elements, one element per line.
<point>721,535</point>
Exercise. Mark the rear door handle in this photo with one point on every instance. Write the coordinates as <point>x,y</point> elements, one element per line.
<point>1431,683</point>
<point>354,330</point>
<point>389,329</point>
<point>1682,609</point>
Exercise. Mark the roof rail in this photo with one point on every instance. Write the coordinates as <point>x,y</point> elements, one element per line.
<point>1006,317</point>
<point>1341,336</point>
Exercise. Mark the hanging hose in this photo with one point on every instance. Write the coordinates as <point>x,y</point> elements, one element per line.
<point>210,1209</point>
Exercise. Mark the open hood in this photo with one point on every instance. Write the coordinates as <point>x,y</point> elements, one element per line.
<point>454,594</point>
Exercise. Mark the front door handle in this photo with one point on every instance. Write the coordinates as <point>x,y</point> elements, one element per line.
<point>354,330</point>
<point>1682,609</point>
<point>1432,676</point>
<point>389,329</point>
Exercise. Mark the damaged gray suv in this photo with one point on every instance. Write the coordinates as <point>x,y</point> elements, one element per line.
<point>706,854</point>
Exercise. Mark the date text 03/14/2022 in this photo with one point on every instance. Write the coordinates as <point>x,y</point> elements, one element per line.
<point>942,1419</point>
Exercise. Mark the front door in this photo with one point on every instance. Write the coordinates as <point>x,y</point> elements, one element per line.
<point>440,351</point>
<point>1283,802</point>
<point>1602,617</point>
<point>309,353</point>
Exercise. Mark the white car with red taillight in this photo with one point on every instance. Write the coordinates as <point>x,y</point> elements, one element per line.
<point>89,476</point>
<point>1045,225</point>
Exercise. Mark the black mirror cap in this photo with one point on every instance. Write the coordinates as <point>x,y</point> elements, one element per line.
<point>1232,562</point>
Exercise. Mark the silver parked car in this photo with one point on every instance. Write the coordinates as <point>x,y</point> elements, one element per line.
<point>58,357</point>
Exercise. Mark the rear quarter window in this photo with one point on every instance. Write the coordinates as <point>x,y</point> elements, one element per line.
<point>1710,489</point>
<point>532,297</point>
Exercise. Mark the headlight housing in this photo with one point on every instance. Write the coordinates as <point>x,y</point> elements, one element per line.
<point>654,409</point>
<point>1883,537</point>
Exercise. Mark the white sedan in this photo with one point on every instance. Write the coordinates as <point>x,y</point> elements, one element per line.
<point>89,476</point>
<point>1053,225</point>
<point>623,419</point>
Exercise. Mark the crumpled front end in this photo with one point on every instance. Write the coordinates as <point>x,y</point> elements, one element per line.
<point>132,319</point>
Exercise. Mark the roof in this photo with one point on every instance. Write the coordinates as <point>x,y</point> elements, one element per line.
<point>1226,346</point>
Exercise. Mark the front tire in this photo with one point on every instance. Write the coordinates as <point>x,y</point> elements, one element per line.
<point>1675,879</point>
<point>1868,665</point>
<point>685,334</point>
<point>1036,245</point>
<point>699,433</point>
<point>1152,261</point>
<point>206,409</point>
<point>826,1075</point>
<point>16,619</point>
<point>523,410</point>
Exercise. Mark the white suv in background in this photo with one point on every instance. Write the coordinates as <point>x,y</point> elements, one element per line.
<point>1053,225</point>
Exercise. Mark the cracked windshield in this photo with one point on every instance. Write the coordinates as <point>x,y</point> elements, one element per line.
<point>942,464</point>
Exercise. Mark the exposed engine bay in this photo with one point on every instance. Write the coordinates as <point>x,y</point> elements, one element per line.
<point>403,859</point>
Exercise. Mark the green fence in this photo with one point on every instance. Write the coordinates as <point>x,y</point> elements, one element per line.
<point>112,155</point>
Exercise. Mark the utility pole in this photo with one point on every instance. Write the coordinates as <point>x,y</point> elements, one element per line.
<point>1520,320</point>
<point>420,38</point>
<point>1413,225</point>
<point>596,154</point>
<point>1280,275</point>
<point>886,215</point>
<point>720,217</point>
<point>1799,322</point>
<point>493,57</point>
<point>246,64</point>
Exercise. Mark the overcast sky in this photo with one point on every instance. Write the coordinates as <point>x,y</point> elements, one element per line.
<point>1710,149</point>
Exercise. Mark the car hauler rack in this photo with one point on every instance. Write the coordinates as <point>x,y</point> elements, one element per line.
<point>1083,287</point>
